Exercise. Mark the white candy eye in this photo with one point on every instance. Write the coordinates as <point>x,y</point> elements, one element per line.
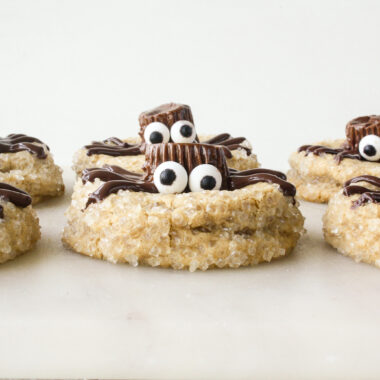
<point>369,147</point>
<point>205,177</point>
<point>170,177</point>
<point>183,131</point>
<point>156,133</point>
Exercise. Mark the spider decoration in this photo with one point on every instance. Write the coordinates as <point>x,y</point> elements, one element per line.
<point>170,122</point>
<point>173,168</point>
<point>362,141</point>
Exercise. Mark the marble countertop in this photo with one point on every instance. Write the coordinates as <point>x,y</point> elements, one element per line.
<point>62,315</point>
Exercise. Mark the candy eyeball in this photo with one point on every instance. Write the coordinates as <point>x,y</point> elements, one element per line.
<point>205,177</point>
<point>369,148</point>
<point>170,177</point>
<point>156,133</point>
<point>183,131</point>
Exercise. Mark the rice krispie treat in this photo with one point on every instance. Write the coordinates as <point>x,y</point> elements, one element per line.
<point>352,220</point>
<point>26,162</point>
<point>19,227</point>
<point>167,123</point>
<point>187,210</point>
<point>319,171</point>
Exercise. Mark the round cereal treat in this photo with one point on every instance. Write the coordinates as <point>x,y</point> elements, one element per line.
<point>351,223</point>
<point>222,218</point>
<point>26,162</point>
<point>19,227</point>
<point>170,122</point>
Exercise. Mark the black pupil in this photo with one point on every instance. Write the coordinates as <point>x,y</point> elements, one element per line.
<point>186,131</point>
<point>156,137</point>
<point>369,150</point>
<point>167,177</point>
<point>208,182</point>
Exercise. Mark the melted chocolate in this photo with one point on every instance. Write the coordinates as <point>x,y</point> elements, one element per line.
<point>18,142</point>
<point>366,195</point>
<point>232,143</point>
<point>116,179</point>
<point>108,173</point>
<point>14,195</point>
<point>113,147</point>
<point>250,177</point>
<point>340,153</point>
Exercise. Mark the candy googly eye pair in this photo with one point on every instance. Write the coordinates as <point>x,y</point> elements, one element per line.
<point>369,148</point>
<point>182,131</point>
<point>170,177</point>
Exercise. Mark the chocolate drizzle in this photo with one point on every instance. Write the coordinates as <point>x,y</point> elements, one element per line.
<point>115,179</point>
<point>252,176</point>
<point>232,143</point>
<point>189,156</point>
<point>14,143</point>
<point>14,195</point>
<point>340,153</point>
<point>366,195</point>
<point>113,147</point>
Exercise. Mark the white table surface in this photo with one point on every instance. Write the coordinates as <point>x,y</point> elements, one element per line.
<point>312,314</point>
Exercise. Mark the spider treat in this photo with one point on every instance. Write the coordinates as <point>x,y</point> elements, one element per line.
<point>320,170</point>
<point>167,123</point>
<point>187,209</point>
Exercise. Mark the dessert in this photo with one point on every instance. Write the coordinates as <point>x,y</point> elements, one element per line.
<point>26,163</point>
<point>19,226</point>
<point>187,209</point>
<point>167,123</point>
<point>319,171</point>
<point>351,223</point>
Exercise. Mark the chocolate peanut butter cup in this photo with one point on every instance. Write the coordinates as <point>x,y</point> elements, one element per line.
<point>360,127</point>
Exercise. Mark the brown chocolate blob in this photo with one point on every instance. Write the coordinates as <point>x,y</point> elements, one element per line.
<point>14,195</point>
<point>366,195</point>
<point>14,143</point>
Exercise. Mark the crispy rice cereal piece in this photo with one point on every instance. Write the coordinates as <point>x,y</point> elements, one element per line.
<point>318,178</point>
<point>353,232</point>
<point>41,178</point>
<point>239,161</point>
<point>198,230</point>
<point>19,230</point>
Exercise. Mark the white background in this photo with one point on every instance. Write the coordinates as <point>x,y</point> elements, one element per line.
<point>283,73</point>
